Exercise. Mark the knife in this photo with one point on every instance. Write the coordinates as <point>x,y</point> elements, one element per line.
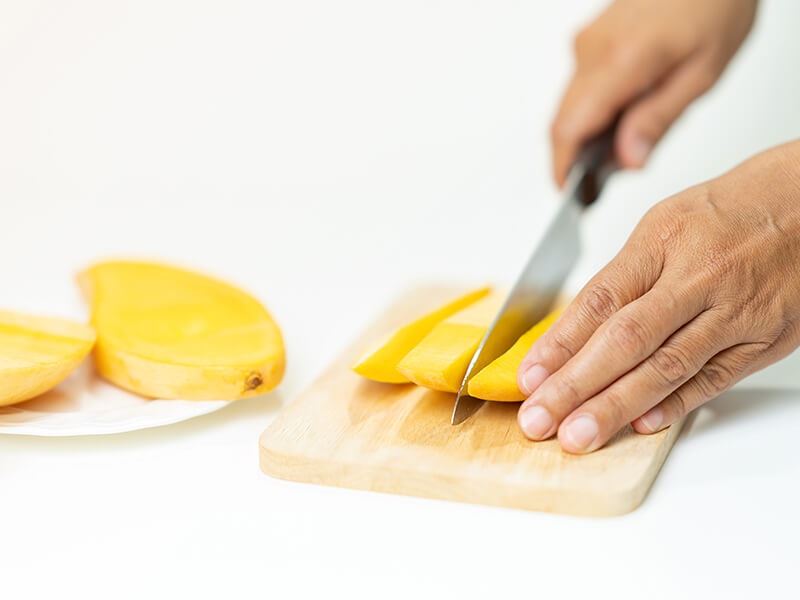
<point>551,261</point>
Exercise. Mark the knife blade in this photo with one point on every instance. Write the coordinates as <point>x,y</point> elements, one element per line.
<point>537,287</point>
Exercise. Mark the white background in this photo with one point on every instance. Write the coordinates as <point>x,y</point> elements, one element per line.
<point>327,155</point>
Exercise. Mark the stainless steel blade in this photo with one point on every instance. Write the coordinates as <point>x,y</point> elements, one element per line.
<point>529,301</point>
<point>540,282</point>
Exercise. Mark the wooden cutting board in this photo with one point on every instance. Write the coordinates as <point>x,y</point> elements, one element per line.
<point>350,432</point>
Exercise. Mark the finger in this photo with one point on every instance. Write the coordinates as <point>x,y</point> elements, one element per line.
<point>597,94</point>
<point>679,359</point>
<point>649,118</point>
<point>719,374</point>
<point>627,277</point>
<point>618,346</point>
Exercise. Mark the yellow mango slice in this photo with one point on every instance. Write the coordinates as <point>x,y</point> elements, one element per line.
<point>380,362</point>
<point>166,332</point>
<point>440,360</point>
<point>498,380</point>
<point>37,353</point>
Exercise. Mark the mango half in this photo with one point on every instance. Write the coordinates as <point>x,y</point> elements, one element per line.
<point>167,332</point>
<point>37,353</point>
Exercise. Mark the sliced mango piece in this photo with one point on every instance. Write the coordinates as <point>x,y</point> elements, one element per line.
<point>166,332</point>
<point>379,363</point>
<point>498,380</point>
<point>440,360</point>
<point>37,353</point>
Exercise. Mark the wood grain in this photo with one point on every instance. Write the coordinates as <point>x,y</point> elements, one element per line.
<point>350,432</point>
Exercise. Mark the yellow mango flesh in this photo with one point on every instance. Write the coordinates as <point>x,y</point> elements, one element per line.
<point>498,380</point>
<point>440,360</point>
<point>37,353</point>
<point>380,362</point>
<point>166,332</point>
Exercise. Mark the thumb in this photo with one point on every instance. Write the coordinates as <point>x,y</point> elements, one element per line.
<point>647,120</point>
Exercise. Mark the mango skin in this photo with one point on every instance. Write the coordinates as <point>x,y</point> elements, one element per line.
<point>37,353</point>
<point>167,332</point>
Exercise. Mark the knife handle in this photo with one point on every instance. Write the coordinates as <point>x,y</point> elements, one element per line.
<point>595,164</point>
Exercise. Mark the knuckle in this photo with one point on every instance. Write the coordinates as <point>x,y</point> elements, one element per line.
<point>658,120</point>
<point>667,220</point>
<point>702,196</point>
<point>557,349</point>
<point>672,365</point>
<point>672,209</point>
<point>783,333</point>
<point>664,220</point>
<point>562,130</point>
<point>715,378</point>
<point>600,303</point>
<point>780,345</point>
<point>629,335</point>
<point>742,361</point>
<point>623,54</point>
<point>567,390</point>
<point>705,79</point>
<point>584,41</point>
<point>679,405</point>
<point>614,410</point>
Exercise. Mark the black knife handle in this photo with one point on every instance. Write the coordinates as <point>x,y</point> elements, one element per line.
<point>596,161</point>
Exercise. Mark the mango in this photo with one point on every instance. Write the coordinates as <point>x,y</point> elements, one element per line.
<point>168,332</point>
<point>380,363</point>
<point>440,360</point>
<point>37,353</point>
<point>498,380</point>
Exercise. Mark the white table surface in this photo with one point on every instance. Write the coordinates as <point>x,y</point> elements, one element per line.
<point>326,156</point>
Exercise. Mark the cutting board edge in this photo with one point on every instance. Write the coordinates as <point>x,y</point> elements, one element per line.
<point>440,486</point>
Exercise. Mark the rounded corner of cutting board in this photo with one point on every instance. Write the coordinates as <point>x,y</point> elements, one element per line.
<point>614,503</point>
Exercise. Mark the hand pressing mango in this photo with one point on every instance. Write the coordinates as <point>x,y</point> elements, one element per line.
<point>705,292</point>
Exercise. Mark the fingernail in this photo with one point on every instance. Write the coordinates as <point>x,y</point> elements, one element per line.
<point>535,422</point>
<point>533,378</point>
<point>639,151</point>
<point>653,419</point>
<point>582,432</point>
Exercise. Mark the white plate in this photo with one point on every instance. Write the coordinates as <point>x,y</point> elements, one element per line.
<point>84,404</point>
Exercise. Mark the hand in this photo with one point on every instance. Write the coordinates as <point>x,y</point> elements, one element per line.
<point>646,60</point>
<point>705,292</point>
